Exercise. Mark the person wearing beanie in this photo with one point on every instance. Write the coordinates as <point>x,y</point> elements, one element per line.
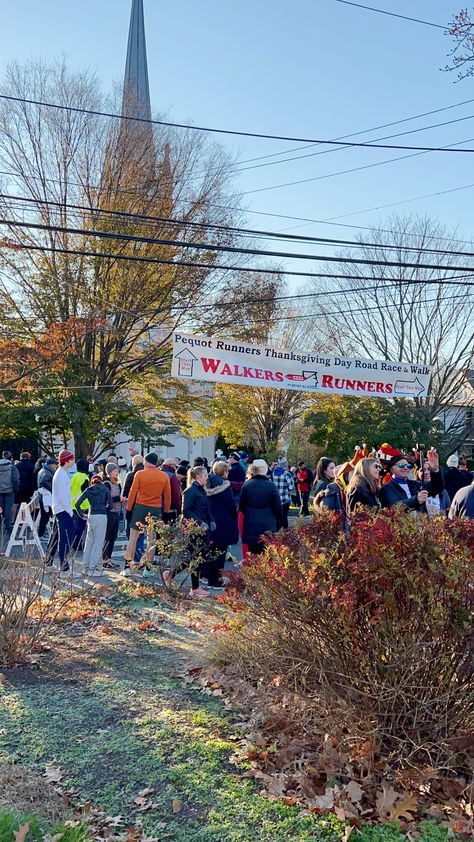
<point>62,509</point>
<point>9,485</point>
<point>285,485</point>
<point>79,483</point>
<point>149,492</point>
<point>112,483</point>
<point>236,475</point>
<point>410,493</point>
<point>261,507</point>
<point>454,478</point>
<point>99,502</point>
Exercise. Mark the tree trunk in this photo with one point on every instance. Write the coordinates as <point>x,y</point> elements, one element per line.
<point>81,445</point>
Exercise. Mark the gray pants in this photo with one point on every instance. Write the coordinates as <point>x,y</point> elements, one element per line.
<point>92,558</point>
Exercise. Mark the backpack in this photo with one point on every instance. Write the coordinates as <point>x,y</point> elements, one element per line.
<point>330,498</point>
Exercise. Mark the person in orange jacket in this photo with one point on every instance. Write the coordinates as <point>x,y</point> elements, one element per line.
<point>150,489</point>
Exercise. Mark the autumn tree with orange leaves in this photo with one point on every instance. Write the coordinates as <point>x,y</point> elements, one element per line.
<point>88,306</point>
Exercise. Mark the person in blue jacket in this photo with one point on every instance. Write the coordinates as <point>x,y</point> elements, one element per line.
<point>224,516</point>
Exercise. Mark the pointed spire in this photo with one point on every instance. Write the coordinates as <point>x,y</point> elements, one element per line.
<point>136,89</point>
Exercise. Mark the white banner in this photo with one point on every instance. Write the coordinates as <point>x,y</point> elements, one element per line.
<point>232,361</point>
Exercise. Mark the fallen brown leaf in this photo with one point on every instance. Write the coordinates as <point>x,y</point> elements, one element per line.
<point>403,809</point>
<point>176,806</point>
<point>53,774</point>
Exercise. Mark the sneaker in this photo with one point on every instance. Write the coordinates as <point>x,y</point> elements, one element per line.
<point>126,572</point>
<point>148,574</point>
<point>69,574</point>
<point>167,578</point>
<point>199,593</point>
<point>96,574</point>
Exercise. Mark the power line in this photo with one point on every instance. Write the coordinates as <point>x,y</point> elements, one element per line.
<point>247,232</point>
<point>351,170</point>
<point>325,313</point>
<point>363,131</point>
<point>220,248</point>
<point>237,133</point>
<point>237,168</point>
<point>392,14</point>
<point>329,151</point>
<point>405,201</point>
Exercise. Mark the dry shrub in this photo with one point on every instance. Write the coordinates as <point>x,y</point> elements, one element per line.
<point>376,633</point>
<point>26,597</point>
<point>27,792</point>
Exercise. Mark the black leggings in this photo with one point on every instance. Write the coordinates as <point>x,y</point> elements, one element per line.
<point>215,564</point>
<point>111,534</point>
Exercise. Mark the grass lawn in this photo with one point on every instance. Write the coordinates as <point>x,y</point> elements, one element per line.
<point>113,712</point>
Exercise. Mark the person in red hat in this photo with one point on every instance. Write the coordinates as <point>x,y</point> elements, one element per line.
<point>62,509</point>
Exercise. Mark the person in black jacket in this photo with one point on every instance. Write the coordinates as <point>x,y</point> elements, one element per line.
<point>454,478</point>
<point>236,475</point>
<point>260,505</point>
<point>325,474</point>
<point>363,488</point>
<point>224,515</point>
<point>45,488</point>
<point>26,470</point>
<point>196,507</point>
<point>100,500</point>
<point>410,493</point>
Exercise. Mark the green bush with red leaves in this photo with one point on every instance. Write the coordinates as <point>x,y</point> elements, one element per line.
<point>376,630</point>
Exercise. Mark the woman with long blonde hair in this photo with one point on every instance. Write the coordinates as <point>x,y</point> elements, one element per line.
<point>364,485</point>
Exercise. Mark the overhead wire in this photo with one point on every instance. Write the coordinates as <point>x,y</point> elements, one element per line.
<point>235,132</point>
<point>96,211</point>
<point>221,248</point>
<point>392,14</point>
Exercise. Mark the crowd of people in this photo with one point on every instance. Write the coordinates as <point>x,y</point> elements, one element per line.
<point>83,502</point>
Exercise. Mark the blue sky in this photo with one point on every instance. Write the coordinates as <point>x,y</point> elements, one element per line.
<point>312,68</point>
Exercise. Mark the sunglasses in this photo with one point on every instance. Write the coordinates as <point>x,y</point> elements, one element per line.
<point>378,467</point>
<point>403,465</point>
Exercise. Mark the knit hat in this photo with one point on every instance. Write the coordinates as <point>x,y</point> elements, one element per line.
<point>261,467</point>
<point>151,458</point>
<point>83,466</point>
<point>122,463</point>
<point>235,456</point>
<point>453,461</point>
<point>283,463</point>
<point>110,468</point>
<point>101,462</point>
<point>65,456</point>
<point>96,480</point>
<point>6,454</point>
<point>51,461</point>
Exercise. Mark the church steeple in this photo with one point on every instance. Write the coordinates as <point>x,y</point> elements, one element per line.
<point>136,89</point>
